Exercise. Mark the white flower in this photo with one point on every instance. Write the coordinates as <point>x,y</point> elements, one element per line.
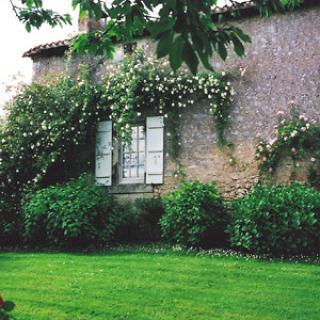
<point>293,133</point>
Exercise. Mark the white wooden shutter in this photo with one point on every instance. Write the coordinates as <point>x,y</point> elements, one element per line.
<point>154,149</point>
<point>104,153</point>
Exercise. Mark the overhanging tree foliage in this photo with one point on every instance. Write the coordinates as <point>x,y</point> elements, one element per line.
<point>185,30</point>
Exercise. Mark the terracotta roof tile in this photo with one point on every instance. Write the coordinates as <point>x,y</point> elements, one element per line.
<point>47,46</point>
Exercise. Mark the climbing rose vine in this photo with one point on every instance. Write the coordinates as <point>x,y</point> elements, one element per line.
<point>295,136</point>
<point>142,85</point>
<point>49,134</point>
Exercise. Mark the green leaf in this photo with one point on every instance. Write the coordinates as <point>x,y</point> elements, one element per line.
<point>238,47</point>
<point>222,51</point>
<point>164,44</point>
<point>161,26</point>
<point>28,26</point>
<point>244,37</point>
<point>190,57</point>
<point>176,53</point>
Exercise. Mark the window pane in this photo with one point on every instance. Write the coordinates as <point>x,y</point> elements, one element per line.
<point>134,133</point>
<point>126,148</point>
<point>141,146</point>
<point>141,163</point>
<point>141,132</point>
<point>134,165</point>
<point>134,145</point>
<point>126,165</point>
<point>133,161</point>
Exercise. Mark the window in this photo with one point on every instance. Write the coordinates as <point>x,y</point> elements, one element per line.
<point>139,162</point>
<point>132,166</point>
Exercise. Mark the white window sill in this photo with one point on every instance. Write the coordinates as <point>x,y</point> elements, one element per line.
<point>131,181</point>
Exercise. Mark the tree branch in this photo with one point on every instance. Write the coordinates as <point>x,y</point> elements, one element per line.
<point>14,8</point>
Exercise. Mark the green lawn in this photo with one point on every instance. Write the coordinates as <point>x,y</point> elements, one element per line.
<point>140,285</point>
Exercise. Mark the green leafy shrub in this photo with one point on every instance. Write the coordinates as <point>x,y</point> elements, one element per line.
<point>10,220</point>
<point>142,221</point>
<point>194,215</point>
<point>279,220</point>
<point>75,214</point>
<point>45,127</point>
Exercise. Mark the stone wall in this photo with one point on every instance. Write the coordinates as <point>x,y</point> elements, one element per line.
<point>47,67</point>
<point>282,64</point>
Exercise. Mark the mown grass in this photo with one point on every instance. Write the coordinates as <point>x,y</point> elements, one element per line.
<point>140,285</point>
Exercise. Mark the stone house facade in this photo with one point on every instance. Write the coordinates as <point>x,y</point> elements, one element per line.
<point>281,64</point>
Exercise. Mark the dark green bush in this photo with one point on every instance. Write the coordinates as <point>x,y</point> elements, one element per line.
<point>10,221</point>
<point>279,220</point>
<point>45,127</point>
<point>194,215</point>
<point>75,214</point>
<point>10,217</point>
<point>141,222</point>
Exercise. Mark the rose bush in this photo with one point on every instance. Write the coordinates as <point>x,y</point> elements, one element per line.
<point>295,136</point>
